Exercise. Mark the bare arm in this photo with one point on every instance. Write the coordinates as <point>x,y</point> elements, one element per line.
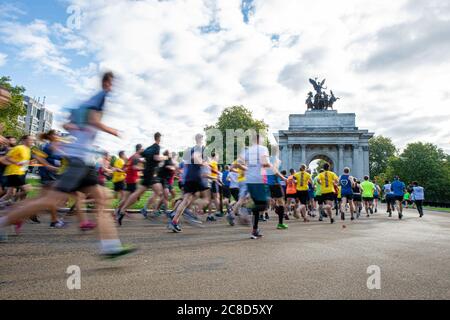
<point>95,121</point>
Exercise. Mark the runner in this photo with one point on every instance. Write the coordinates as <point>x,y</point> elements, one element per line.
<point>291,191</point>
<point>119,175</point>
<point>398,188</point>
<point>80,174</point>
<point>193,183</point>
<point>238,209</point>
<point>6,144</point>
<point>150,180</point>
<point>232,178</point>
<point>312,202</point>
<point>214,188</point>
<point>274,178</point>
<point>406,199</point>
<point>17,161</point>
<point>318,196</point>
<point>132,169</point>
<point>303,179</point>
<point>419,197</point>
<point>387,190</point>
<point>226,191</point>
<point>368,189</point>
<point>166,175</point>
<point>328,180</point>
<point>52,154</point>
<point>376,196</point>
<point>347,183</point>
<point>256,159</point>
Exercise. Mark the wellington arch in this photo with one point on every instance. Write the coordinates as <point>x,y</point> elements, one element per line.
<point>328,135</point>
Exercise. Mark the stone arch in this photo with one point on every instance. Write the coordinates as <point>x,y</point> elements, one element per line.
<point>322,156</point>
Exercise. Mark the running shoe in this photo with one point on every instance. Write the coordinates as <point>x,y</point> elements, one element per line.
<point>174,227</point>
<point>157,213</point>
<point>87,226</point>
<point>124,250</point>
<point>400,216</point>
<point>256,235</point>
<point>191,218</point>
<point>376,210</point>
<point>421,215</point>
<point>120,218</point>
<point>220,215</point>
<point>230,219</point>
<point>262,219</point>
<point>57,225</point>
<point>371,210</point>
<point>390,214</point>
<point>343,216</point>
<point>368,216</point>
<point>282,226</point>
<point>286,217</point>
<point>352,218</point>
<point>170,214</point>
<point>320,218</point>
<point>35,219</point>
<point>211,219</point>
<point>144,213</point>
<point>267,216</point>
<point>331,220</point>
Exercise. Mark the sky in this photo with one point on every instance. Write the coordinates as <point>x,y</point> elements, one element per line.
<point>181,62</point>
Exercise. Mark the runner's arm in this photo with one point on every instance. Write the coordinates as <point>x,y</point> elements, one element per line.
<point>95,121</point>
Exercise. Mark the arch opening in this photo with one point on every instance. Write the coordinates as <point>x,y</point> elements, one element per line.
<point>316,162</point>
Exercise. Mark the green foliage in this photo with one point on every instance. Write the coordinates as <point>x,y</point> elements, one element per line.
<point>10,113</point>
<point>237,117</point>
<point>426,164</point>
<point>381,149</point>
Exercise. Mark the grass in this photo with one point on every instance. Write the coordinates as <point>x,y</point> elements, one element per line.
<point>437,209</point>
<point>138,205</point>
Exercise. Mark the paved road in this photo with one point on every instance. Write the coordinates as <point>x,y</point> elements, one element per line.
<point>308,261</point>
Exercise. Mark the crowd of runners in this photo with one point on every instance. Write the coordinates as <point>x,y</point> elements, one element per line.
<point>248,191</point>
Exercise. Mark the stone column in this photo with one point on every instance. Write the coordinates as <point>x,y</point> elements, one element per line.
<point>290,159</point>
<point>341,159</point>
<point>282,157</point>
<point>303,158</point>
<point>355,164</point>
<point>361,163</point>
<point>366,160</point>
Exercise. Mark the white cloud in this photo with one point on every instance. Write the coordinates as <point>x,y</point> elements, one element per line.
<point>3,59</point>
<point>176,79</point>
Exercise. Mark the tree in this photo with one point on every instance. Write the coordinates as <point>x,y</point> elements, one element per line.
<point>380,150</point>
<point>235,118</point>
<point>15,108</point>
<point>426,164</point>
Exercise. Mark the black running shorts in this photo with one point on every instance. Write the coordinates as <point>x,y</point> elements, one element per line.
<point>328,196</point>
<point>303,197</point>
<point>77,176</point>
<point>276,191</point>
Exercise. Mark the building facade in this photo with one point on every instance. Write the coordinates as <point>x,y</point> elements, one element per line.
<point>326,135</point>
<point>38,119</point>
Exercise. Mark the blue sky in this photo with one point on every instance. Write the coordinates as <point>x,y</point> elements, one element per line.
<point>182,62</point>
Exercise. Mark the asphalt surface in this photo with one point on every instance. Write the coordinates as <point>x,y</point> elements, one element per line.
<point>313,260</point>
